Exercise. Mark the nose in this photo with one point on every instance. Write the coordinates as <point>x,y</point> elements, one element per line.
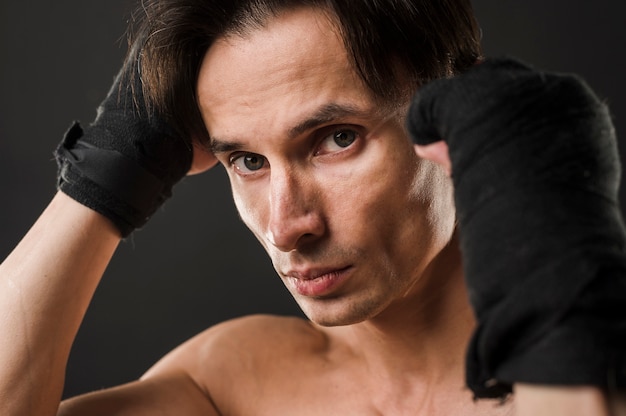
<point>295,216</point>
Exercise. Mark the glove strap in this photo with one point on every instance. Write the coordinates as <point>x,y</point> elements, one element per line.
<point>107,181</point>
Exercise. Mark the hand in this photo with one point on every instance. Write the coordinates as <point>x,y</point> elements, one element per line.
<point>126,162</point>
<point>535,168</point>
<point>437,152</point>
<point>203,159</point>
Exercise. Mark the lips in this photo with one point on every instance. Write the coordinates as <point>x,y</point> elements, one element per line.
<point>317,282</point>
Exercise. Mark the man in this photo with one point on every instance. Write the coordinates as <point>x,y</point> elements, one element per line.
<point>360,228</point>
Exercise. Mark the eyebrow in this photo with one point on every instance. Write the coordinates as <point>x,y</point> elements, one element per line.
<point>323,115</point>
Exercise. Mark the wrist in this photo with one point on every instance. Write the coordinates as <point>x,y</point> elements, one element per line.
<point>544,400</point>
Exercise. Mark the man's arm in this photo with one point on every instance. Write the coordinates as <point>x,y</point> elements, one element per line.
<point>543,400</point>
<point>113,175</point>
<point>46,284</point>
<point>535,166</point>
<point>168,395</point>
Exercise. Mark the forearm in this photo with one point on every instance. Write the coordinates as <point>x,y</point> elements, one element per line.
<point>540,400</point>
<point>46,284</point>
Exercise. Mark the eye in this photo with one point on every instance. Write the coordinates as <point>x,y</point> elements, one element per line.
<point>337,140</point>
<point>247,162</point>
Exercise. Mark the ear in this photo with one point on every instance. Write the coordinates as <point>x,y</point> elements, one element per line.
<point>436,152</point>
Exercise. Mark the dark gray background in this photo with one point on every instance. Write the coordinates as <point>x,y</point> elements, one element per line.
<point>195,265</point>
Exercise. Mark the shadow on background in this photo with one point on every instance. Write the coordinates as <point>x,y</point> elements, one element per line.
<point>195,264</point>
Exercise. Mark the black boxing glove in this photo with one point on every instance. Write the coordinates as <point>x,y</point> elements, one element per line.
<point>536,171</point>
<point>126,162</point>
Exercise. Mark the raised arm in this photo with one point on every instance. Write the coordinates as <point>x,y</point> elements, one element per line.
<point>535,167</point>
<point>46,284</point>
<point>113,175</point>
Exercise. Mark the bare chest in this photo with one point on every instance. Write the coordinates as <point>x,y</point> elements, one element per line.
<point>324,393</point>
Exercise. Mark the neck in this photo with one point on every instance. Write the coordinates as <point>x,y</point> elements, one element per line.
<point>426,332</point>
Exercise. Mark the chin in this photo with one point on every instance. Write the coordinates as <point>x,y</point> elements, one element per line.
<point>337,311</point>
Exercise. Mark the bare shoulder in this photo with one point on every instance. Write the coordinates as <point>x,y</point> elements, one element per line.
<point>259,335</point>
<point>223,370</point>
<point>244,357</point>
<point>261,329</point>
<point>242,344</point>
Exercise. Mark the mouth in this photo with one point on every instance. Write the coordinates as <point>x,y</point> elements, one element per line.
<point>317,283</point>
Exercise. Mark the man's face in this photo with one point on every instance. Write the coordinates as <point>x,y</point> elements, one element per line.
<point>324,177</point>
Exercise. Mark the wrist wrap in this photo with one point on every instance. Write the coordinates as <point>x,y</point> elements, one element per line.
<point>536,172</point>
<point>126,162</point>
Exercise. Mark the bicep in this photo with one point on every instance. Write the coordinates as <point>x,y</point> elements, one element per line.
<point>172,394</point>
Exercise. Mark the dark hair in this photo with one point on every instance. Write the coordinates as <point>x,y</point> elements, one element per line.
<point>395,45</point>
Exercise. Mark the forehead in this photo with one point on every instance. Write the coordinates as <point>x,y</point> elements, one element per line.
<point>294,64</point>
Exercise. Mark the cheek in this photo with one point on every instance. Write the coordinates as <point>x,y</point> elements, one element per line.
<point>389,199</point>
<point>432,197</point>
<point>375,195</point>
<point>433,186</point>
<point>251,206</point>
<point>403,208</point>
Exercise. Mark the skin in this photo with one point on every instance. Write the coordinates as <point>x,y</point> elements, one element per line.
<point>312,200</point>
<point>389,314</point>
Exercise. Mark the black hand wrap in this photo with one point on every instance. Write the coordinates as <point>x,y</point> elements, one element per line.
<point>536,172</point>
<point>126,162</point>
